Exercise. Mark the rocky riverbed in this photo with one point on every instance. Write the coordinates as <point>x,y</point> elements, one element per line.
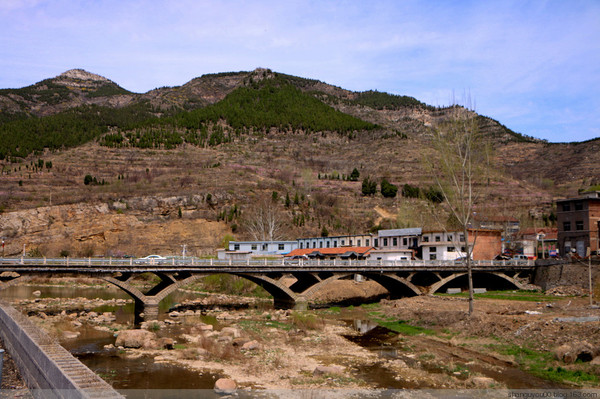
<point>420,342</point>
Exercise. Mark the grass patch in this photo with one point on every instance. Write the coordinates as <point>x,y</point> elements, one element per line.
<point>258,326</point>
<point>543,364</point>
<point>520,295</point>
<point>400,326</point>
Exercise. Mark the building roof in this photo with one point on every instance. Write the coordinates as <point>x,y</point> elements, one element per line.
<point>415,231</point>
<point>343,236</point>
<point>551,233</point>
<point>588,195</point>
<point>340,251</point>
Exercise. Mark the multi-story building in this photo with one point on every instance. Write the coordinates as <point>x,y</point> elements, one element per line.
<point>578,221</point>
<point>450,245</point>
<point>398,239</point>
<point>336,241</point>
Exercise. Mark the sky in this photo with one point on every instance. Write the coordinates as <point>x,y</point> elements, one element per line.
<point>532,65</point>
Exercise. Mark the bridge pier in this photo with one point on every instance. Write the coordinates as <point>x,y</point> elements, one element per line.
<point>300,303</point>
<point>145,311</point>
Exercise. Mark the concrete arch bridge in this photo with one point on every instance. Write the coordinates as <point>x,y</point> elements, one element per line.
<point>400,278</point>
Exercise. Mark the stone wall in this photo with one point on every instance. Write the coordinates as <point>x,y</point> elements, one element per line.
<point>549,275</point>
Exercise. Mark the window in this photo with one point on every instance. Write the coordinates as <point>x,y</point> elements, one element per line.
<point>335,243</point>
<point>579,205</point>
<point>281,247</point>
<point>367,242</point>
<point>450,238</point>
<point>395,239</point>
<point>358,243</point>
<point>433,249</point>
<point>462,238</point>
<point>343,242</point>
<point>376,242</point>
<point>350,242</point>
<point>385,242</point>
<point>425,238</point>
<point>451,249</point>
<point>314,244</point>
<point>405,242</point>
<point>438,238</point>
<point>236,247</point>
<point>463,249</point>
<point>265,247</point>
<point>579,225</point>
<point>254,247</point>
<point>301,245</point>
<point>432,256</point>
<point>567,226</point>
<point>328,242</point>
<point>320,244</point>
<point>566,206</point>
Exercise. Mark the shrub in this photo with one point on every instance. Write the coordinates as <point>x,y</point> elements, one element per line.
<point>354,175</point>
<point>369,187</point>
<point>388,190</point>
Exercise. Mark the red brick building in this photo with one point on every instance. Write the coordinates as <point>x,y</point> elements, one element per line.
<point>578,222</point>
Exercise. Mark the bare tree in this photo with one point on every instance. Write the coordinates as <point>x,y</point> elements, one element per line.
<point>265,221</point>
<point>459,167</point>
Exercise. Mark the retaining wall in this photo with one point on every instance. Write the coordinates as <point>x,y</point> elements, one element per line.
<point>44,364</point>
<point>549,274</point>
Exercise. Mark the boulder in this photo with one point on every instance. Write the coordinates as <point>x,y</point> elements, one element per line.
<point>225,386</point>
<point>334,370</point>
<point>166,343</point>
<point>231,332</point>
<point>583,351</point>
<point>251,345</point>
<point>36,293</point>
<point>134,338</point>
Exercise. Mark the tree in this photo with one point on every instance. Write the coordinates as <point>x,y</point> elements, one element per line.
<point>354,175</point>
<point>369,187</point>
<point>265,221</point>
<point>388,190</point>
<point>459,167</point>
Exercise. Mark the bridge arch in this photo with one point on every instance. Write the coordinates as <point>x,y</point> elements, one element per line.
<point>488,279</point>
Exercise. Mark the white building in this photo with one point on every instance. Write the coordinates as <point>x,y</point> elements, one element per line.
<point>441,245</point>
<point>362,240</point>
<point>247,249</point>
<point>398,239</point>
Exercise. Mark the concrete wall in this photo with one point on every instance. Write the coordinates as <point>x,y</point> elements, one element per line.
<point>44,364</point>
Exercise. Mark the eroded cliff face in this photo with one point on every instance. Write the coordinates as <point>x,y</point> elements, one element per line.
<point>106,230</point>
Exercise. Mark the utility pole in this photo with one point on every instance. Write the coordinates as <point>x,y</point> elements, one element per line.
<point>183,246</point>
<point>589,254</point>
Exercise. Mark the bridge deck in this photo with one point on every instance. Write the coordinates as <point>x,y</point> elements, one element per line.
<point>194,265</point>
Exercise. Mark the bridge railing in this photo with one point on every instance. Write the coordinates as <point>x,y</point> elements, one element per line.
<point>197,262</point>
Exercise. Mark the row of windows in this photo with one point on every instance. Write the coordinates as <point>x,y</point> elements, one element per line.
<point>578,205</point>
<point>450,238</point>
<point>335,243</point>
<point>578,225</point>
<point>280,247</point>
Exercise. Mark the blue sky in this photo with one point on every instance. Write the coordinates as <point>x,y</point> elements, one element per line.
<point>532,65</point>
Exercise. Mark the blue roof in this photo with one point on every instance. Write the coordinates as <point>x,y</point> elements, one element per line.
<point>415,231</point>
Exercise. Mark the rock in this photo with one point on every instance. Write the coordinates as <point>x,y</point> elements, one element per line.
<point>240,341</point>
<point>231,332</point>
<point>174,314</point>
<point>193,339</point>
<point>583,351</point>
<point>321,370</point>
<point>166,343</point>
<point>206,327</point>
<point>251,345</point>
<point>36,293</point>
<point>70,334</point>
<point>109,347</point>
<point>225,386</point>
<point>134,338</point>
<point>43,315</point>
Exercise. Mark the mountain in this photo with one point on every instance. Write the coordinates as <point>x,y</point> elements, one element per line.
<point>212,148</point>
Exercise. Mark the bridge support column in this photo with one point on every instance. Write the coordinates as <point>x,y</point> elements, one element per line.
<point>148,309</point>
<point>297,304</point>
